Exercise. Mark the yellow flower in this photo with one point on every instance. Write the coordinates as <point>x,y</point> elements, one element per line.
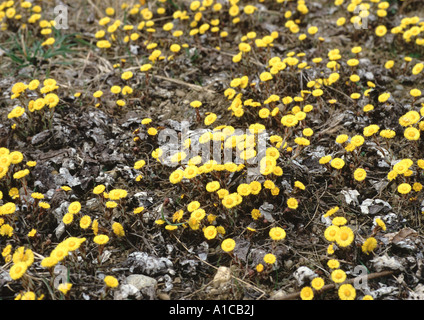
<point>415,93</point>
<point>111,282</point>
<point>333,264</point>
<point>259,267</point>
<point>8,208</point>
<point>74,207</point>
<point>357,140</point>
<point>99,189</point>
<point>277,233</point>
<point>145,67</point>
<point>369,245</point>
<point>228,245</point>
<point>387,133</point>
<point>152,131</point>
<point>412,133</point>
<point>312,30</point>
<point>417,68</point>
<point>97,94</point>
<point>265,76</point>
<point>59,253</point>
<point>20,174</point>
<point>384,97</point>
<point>381,30</point>
<point>168,26</point>
<point>118,229</point>
<point>417,187</point>
<point>255,214</point>
<point>23,255</point>
<point>317,283</point>
<point>6,230</point>
<point>176,176</point>
<point>339,221</point>
<point>85,222</point>
<point>380,223</point>
<point>210,232</point>
<point>195,104</point>
<point>192,206</point>
<point>359,174</point>
<point>249,9</point>
<point>210,118</point>
<point>138,210</point>
<point>190,172</point>
<point>18,270</point>
<point>352,62</point>
<point>95,227</point>
<point>117,194</point>
<point>337,163</point>
<point>7,250</point>
<point>404,188</point>
<point>115,89</point>
<point>101,239</point>
<point>331,232</point>
<point>31,163</point>
<point>127,75</point>
<point>347,292</point>
<point>292,203</point>
<point>68,218</point>
<point>72,243</point>
<point>111,204</point>
<point>342,138</point>
<point>243,189</point>
<point>64,287</point>
<point>29,295</point>
<point>198,214</point>
<point>338,276</point>
<point>37,195</point>
<point>325,159</point>
<point>344,237</point>
<point>270,258</point>
<point>212,186</point>
<point>306,293</point>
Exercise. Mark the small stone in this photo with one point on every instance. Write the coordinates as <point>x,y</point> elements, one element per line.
<point>222,277</point>
<point>164,296</point>
<point>146,285</point>
<point>141,281</point>
<point>303,275</point>
<point>277,295</point>
<point>41,137</point>
<point>288,264</point>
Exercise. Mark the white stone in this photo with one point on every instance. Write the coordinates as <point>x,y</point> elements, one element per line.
<point>304,275</point>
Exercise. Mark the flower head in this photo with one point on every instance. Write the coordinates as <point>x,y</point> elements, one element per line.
<point>64,287</point>
<point>111,281</point>
<point>338,276</point>
<point>277,233</point>
<point>228,245</point>
<point>369,245</point>
<point>210,232</point>
<point>18,270</point>
<point>306,293</point>
<point>270,258</point>
<point>347,292</point>
<point>317,283</point>
<point>101,239</point>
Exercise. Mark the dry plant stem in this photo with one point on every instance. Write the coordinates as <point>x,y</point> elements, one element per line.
<point>327,287</point>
